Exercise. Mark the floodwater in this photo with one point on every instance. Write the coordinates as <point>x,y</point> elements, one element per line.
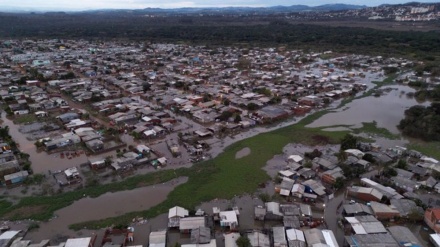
<point>104,206</point>
<point>41,161</point>
<point>242,153</point>
<point>387,110</point>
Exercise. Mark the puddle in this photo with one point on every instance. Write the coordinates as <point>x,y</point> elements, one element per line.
<point>242,153</point>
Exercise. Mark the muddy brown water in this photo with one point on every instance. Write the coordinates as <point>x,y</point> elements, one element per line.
<point>387,110</point>
<point>41,161</point>
<point>104,206</point>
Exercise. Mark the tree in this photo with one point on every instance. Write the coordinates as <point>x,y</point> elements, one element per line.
<point>369,158</point>
<point>264,197</point>
<point>225,115</point>
<point>389,172</point>
<point>415,215</point>
<point>339,183</point>
<point>237,118</point>
<point>342,155</point>
<point>348,142</point>
<point>146,87</point>
<point>252,106</point>
<point>308,164</point>
<point>401,164</point>
<point>243,241</point>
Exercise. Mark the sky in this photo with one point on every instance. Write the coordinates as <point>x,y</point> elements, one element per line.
<point>73,5</point>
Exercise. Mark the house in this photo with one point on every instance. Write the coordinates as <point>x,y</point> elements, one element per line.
<point>291,222</point>
<point>15,178</point>
<point>356,209</point>
<point>368,240</point>
<point>273,211</point>
<point>67,117</point>
<point>80,242</point>
<point>330,176</point>
<point>201,235</point>
<point>175,214</point>
<point>295,238</point>
<point>432,218</point>
<point>157,239</point>
<point>306,173</point>
<point>386,191</point>
<point>365,225</point>
<point>285,187</point>
<point>404,236</point>
<point>228,219</point>
<point>295,158</point>
<point>97,163</point>
<point>189,223</point>
<point>6,238</point>
<point>279,236</point>
<point>298,190</point>
<point>95,145</point>
<point>258,239</point>
<point>405,183</point>
<point>67,139</point>
<point>323,164</point>
<point>314,237</point>
<point>383,211</point>
<point>212,243</point>
<point>260,212</point>
<point>364,193</point>
<point>313,186</point>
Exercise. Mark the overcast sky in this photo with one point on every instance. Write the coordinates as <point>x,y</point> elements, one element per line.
<point>136,4</point>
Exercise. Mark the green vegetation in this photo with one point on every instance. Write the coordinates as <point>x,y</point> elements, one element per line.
<point>427,148</point>
<point>371,128</point>
<point>28,118</point>
<point>432,94</point>
<point>243,241</point>
<point>348,142</point>
<point>422,122</point>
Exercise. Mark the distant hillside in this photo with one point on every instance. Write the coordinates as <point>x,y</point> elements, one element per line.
<point>272,9</point>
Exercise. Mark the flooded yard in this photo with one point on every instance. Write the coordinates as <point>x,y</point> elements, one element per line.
<point>41,161</point>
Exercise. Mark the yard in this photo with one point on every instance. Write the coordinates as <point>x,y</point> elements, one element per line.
<point>22,119</point>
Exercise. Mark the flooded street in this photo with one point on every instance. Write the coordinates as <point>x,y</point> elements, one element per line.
<point>104,206</point>
<point>41,161</point>
<point>387,110</point>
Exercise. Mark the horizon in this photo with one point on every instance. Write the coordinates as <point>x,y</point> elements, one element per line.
<point>86,5</point>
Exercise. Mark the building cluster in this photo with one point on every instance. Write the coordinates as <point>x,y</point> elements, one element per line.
<point>67,95</point>
<point>111,238</point>
<point>11,171</point>
<point>383,197</point>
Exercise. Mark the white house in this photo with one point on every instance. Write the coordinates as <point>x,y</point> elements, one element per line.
<point>229,219</point>
<point>175,214</point>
